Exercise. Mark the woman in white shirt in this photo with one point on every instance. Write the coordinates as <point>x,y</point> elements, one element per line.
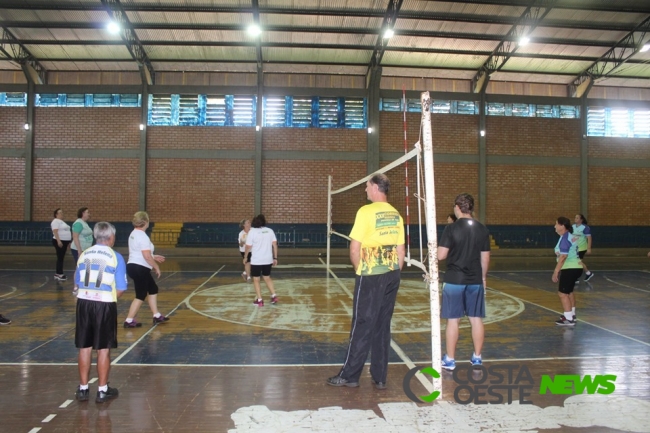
<point>245,225</point>
<point>263,245</point>
<point>82,234</point>
<point>141,261</point>
<point>61,239</point>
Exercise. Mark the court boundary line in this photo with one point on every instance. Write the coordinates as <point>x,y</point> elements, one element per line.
<point>625,285</point>
<point>427,362</point>
<point>580,320</point>
<point>132,346</point>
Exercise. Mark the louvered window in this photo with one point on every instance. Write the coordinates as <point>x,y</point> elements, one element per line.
<point>496,109</point>
<point>441,107</point>
<point>160,109</point>
<point>521,110</point>
<point>569,112</point>
<point>618,121</point>
<point>75,100</point>
<point>243,110</point>
<point>641,123</point>
<point>215,110</point>
<point>188,110</point>
<point>275,111</point>
<point>130,100</point>
<point>328,109</point>
<point>544,111</point>
<point>596,121</point>
<point>13,99</point>
<point>390,104</point>
<point>301,112</point>
<point>467,107</point>
<point>47,100</point>
<point>355,113</point>
<point>103,100</point>
<point>413,105</point>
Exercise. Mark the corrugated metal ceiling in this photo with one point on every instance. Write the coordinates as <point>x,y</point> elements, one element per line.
<point>443,38</point>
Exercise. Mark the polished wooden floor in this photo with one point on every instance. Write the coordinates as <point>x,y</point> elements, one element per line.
<point>221,364</point>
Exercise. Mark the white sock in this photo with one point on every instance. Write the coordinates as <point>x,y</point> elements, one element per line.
<point>568,315</point>
<point>588,272</point>
<point>129,320</point>
<point>573,311</point>
<point>477,356</point>
<point>103,388</point>
<point>157,315</point>
<point>83,387</point>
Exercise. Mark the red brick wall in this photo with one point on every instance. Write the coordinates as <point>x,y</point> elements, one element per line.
<point>294,191</point>
<point>524,136</point>
<point>195,190</point>
<point>12,131</point>
<point>12,189</point>
<point>89,128</point>
<point>109,187</point>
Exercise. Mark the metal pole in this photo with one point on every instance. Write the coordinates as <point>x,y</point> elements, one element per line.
<point>432,243</point>
<point>329,221</point>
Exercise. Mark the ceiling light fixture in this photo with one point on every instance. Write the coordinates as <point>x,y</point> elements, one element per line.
<point>389,33</point>
<point>113,27</point>
<point>254,30</point>
<point>524,41</point>
<point>645,48</point>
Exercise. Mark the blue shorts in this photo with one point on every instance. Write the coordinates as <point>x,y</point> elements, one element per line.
<point>463,300</point>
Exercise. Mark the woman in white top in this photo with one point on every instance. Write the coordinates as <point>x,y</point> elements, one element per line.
<point>263,245</point>
<point>141,261</point>
<point>61,239</point>
<point>82,234</point>
<point>245,225</point>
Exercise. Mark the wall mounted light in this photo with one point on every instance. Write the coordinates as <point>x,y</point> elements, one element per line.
<point>369,130</point>
<point>257,127</point>
<point>482,133</point>
<point>26,126</point>
<point>141,127</point>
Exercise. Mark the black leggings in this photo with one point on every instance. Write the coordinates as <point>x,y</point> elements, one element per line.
<point>60,254</point>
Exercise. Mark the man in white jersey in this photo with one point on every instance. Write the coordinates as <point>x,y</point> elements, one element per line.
<point>100,279</point>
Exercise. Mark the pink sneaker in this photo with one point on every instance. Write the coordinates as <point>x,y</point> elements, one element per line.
<point>274,299</point>
<point>259,303</point>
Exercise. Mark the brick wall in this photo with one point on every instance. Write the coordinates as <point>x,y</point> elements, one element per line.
<point>12,188</point>
<point>86,128</point>
<point>294,191</point>
<point>107,186</point>
<point>12,131</point>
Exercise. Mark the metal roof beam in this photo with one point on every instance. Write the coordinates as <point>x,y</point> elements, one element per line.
<point>387,24</point>
<point>116,13</point>
<point>474,19</point>
<point>611,60</point>
<point>142,7</point>
<point>258,41</point>
<point>531,17</point>
<point>14,50</point>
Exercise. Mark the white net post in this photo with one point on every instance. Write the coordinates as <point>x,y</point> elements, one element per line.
<point>432,235</point>
<point>329,221</point>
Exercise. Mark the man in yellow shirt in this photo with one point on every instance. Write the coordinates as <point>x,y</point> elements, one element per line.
<point>377,254</point>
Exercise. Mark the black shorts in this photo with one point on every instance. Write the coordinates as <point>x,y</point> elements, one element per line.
<point>261,270</point>
<point>581,254</point>
<point>142,280</point>
<point>96,325</point>
<point>568,278</point>
<point>249,256</point>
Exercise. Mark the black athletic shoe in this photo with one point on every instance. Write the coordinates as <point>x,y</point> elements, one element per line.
<point>589,277</point>
<point>102,396</point>
<point>379,385</point>
<point>565,322</point>
<point>82,394</point>
<point>4,320</point>
<point>133,324</point>
<point>160,319</point>
<point>339,381</point>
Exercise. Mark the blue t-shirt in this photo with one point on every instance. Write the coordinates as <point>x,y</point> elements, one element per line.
<point>568,245</point>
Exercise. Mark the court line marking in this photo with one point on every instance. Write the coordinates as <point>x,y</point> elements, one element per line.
<point>625,285</point>
<point>184,301</point>
<point>184,365</point>
<point>34,430</point>
<point>49,418</point>
<point>580,320</point>
<point>47,342</point>
<point>65,404</point>
<point>407,361</point>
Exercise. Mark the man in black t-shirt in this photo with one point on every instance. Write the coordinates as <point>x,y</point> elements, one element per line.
<point>465,245</point>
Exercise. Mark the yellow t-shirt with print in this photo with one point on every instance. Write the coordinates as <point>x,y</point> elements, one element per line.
<point>380,229</point>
